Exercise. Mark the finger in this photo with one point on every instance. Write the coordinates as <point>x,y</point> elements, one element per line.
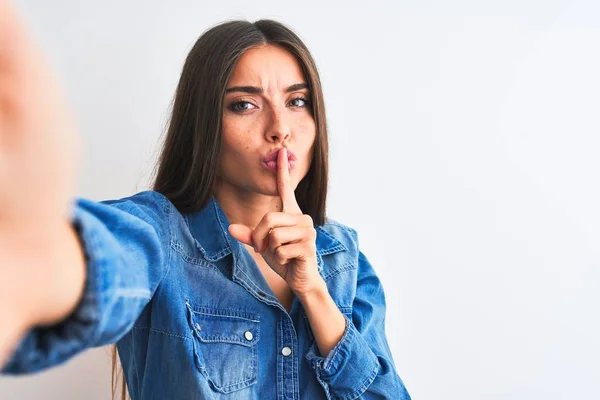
<point>27,82</point>
<point>15,64</point>
<point>241,233</point>
<point>22,64</point>
<point>11,35</point>
<point>269,221</point>
<point>284,186</point>
<point>287,235</point>
<point>294,251</point>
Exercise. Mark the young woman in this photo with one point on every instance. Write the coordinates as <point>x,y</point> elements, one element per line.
<point>224,281</point>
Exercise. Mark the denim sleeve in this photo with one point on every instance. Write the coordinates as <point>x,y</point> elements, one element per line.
<point>126,249</point>
<point>361,364</point>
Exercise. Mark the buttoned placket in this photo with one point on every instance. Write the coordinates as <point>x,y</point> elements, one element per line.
<point>287,341</point>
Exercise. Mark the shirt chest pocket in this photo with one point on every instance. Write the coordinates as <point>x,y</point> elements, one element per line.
<point>225,346</point>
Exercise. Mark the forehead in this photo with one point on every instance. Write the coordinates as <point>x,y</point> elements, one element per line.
<point>269,67</point>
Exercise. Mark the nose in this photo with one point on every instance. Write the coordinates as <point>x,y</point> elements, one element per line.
<point>278,130</point>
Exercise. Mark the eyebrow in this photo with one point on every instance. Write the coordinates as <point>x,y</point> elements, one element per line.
<point>258,90</point>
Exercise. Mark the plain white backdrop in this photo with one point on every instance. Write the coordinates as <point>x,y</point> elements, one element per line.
<point>465,140</point>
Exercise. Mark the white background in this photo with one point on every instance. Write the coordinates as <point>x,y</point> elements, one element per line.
<point>465,142</point>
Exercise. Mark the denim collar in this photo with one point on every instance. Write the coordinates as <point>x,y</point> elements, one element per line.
<point>209,227</point>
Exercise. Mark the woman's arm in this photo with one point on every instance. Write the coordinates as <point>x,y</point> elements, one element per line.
<point>30,295</point>
<point>73,275</point>
<point>326,320</point>
<point>126,244</point>
<point>361,364</point>
<point>41,262</point>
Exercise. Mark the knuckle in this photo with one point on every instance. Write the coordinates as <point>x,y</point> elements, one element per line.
<point>269,218</point>
<point>275,236</point>
<point>308,220</point>
<point>280,254</point>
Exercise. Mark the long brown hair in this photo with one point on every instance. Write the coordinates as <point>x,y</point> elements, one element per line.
<point>187,166</point>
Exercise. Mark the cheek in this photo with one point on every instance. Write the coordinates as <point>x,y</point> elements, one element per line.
<point>307,133</point>
<point>237,149</point>
<point>237,138</point>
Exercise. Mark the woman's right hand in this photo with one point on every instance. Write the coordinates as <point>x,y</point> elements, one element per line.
<point>38,146</point>
<point>37,134</point>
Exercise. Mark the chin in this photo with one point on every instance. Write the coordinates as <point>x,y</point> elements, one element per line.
<point>269,191</point>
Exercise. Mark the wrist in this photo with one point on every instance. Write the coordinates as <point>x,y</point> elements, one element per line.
<point>17,297</point>
<point>42,274</point>
<point>13,328</point>
<point>15,304</point>
<point>66,278</point>
<point>316,294</point>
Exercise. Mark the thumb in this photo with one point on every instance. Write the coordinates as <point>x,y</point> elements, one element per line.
<point>241,233</point>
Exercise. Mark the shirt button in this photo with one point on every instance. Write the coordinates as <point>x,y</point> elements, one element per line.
<point>198,327</point>
<point>248,335</point>
<point>286,351</point>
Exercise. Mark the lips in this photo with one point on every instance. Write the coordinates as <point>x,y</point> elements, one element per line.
<point>270,161</point>
<point>272,156</point>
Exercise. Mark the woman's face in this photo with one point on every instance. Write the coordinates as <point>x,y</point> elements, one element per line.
<point>266,107</point>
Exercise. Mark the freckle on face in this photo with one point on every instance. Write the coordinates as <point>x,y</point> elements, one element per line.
<point>244,134</point>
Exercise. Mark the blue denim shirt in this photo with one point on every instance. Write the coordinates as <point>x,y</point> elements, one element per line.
<point>194,318</point>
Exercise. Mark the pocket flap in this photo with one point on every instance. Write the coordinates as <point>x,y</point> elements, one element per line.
<point>224,326</point>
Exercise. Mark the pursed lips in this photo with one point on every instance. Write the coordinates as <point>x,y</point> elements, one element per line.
<point>270,161</point>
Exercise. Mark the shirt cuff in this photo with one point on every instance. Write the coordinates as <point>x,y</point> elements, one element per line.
<point>43,347</point>
<point>349,368</point>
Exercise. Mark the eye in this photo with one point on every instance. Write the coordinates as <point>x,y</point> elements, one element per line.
<point>241,106</point>
<point>299,102</point>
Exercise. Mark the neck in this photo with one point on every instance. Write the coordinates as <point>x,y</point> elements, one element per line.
<point>244,207</point>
